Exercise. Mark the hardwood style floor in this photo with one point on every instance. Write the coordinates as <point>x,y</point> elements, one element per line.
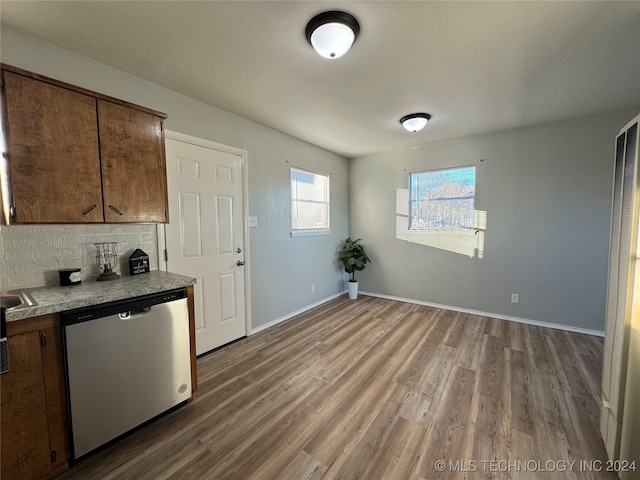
<point>378,389</point>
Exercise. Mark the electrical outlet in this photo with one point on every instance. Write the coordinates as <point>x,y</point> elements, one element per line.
<point>515,298</point>
<point>253,222</point>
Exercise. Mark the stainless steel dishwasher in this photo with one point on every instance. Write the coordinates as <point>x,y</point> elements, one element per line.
<point>127,362</point>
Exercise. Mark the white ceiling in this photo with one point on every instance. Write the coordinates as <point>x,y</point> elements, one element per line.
<point>475,66</point>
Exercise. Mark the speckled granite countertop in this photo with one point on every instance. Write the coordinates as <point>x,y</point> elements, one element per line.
<point>55,299</point>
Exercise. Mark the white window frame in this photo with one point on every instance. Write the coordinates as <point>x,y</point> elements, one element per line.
<point>304,232</point>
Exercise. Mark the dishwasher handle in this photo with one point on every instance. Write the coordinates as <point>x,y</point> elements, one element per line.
<point>132,314</point>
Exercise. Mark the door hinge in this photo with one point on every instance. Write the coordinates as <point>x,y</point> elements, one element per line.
<point>54,456</point>
<point>166,255</point>
<point>43,339</point>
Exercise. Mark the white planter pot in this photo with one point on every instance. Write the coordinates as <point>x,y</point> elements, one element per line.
<point>353,290</point>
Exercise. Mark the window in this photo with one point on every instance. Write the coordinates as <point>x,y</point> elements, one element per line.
<point>442,199</point>
<point>309,202</point>
<point>438,211</point>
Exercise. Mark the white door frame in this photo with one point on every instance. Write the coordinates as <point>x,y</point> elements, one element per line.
<point>162,243</point>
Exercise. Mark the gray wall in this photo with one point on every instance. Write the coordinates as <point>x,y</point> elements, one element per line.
<point>546,190</point>
<point>282,269</point>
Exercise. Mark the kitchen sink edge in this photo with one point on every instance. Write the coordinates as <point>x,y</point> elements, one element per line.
<point>16,299</point>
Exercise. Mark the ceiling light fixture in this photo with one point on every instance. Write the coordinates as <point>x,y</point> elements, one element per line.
<point>332,33</point>
<point>415,121</point>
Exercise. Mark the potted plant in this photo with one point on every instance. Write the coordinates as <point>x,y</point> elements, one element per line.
<point>354,258</point>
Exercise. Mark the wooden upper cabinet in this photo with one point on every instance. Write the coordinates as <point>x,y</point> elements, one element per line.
<point>76,156</point>
<point>55,161</point>
<point>133,164</point>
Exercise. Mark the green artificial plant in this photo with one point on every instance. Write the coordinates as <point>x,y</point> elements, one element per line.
<point>353,257</point>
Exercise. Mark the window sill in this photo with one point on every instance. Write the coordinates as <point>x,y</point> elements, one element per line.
<point>309,233</point>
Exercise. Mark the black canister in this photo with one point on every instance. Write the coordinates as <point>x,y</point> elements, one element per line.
<point>70,276</point>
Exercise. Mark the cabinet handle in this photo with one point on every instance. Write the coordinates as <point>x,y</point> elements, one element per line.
<point>43,339</point>
<point>115,209</point>
<point>87,210</point>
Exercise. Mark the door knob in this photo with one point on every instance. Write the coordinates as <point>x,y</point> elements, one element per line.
<point>238,250</point>
<point>240,263</point>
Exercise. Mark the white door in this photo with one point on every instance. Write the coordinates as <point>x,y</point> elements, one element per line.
<point>205,237</point>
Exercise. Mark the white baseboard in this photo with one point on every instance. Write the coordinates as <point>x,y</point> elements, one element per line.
<point>527,321</point>
<point>293,314</point>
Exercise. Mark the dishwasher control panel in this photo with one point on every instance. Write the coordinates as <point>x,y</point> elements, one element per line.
<point>171,296</point>
<point>93,312</point>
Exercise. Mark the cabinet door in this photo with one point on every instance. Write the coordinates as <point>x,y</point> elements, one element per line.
<point>54,157</point>
<point>23,416</point>
<point>133,164</point>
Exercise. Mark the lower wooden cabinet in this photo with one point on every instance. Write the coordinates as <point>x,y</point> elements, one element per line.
<point>33,414</point>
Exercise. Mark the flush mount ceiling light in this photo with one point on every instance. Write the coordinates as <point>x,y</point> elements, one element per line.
<point>415,121</point>
<point>332,33</point>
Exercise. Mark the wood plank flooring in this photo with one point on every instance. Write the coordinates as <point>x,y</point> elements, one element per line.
<point>378,389</point>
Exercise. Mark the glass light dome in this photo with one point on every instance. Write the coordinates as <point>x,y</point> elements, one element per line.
<point>332,33</point>
<point>415,122</point>
<point>332,40</point>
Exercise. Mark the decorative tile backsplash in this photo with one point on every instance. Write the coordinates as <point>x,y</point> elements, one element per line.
<point>31,255</point>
